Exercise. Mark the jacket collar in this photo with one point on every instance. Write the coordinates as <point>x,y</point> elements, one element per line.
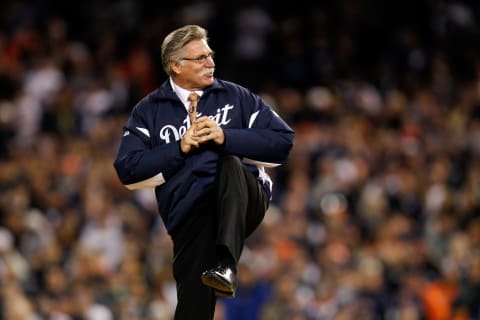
<point>165,91</point>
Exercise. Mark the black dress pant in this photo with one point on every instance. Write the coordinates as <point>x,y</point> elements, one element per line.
<point>229,214</point>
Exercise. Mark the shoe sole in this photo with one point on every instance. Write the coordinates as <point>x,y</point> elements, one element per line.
<point>224,294</point>
<point>217,284</point>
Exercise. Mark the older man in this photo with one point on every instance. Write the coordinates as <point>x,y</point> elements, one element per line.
<point>203,144</point>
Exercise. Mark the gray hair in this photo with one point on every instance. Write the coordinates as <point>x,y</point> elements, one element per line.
<point>176,40</point>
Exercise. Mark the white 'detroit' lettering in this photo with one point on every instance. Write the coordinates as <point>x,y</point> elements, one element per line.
<point>169,131</point>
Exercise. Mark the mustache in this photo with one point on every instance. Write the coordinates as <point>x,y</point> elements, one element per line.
<point>207,71</point>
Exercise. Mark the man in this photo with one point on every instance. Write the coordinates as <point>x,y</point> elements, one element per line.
<point>207,167</point>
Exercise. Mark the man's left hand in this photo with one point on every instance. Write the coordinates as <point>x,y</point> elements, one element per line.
<point>206,130</point>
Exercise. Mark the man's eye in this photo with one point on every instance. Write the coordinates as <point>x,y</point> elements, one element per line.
<point>200,59</point>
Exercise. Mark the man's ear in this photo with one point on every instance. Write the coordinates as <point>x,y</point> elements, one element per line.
<point>175,66</point>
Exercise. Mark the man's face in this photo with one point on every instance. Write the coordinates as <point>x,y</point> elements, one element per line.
<point>195,70</point>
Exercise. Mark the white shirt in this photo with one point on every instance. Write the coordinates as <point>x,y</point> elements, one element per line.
<point>183,93</point>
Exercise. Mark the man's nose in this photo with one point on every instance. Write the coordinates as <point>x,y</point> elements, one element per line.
<point>210,62</point>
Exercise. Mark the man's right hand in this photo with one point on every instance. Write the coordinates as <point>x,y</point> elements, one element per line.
<point>189,140</point>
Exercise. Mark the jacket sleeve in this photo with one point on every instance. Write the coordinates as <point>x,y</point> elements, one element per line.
<point>267,139</point>
<point>138,164</point>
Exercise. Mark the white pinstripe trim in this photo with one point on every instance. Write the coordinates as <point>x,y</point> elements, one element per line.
<point>252,119</point>
<point>144,131</point>
<point>260,163</point>
<point>147,183</point>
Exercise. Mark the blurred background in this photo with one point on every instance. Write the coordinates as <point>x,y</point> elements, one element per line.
<point>375,215</point>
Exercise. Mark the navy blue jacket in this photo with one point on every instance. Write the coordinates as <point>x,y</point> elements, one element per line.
<point>149,155</point>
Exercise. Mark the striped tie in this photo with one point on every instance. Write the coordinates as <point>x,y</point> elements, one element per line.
<point>192,110</point>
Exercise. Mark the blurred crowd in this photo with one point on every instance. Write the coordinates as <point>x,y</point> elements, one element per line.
<point>375,215</point>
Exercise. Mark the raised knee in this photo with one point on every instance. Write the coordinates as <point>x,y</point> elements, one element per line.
<point>230,160</point>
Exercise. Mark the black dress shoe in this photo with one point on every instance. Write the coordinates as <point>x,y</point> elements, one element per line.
<point>225,294</point>
<point>222,279</point>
